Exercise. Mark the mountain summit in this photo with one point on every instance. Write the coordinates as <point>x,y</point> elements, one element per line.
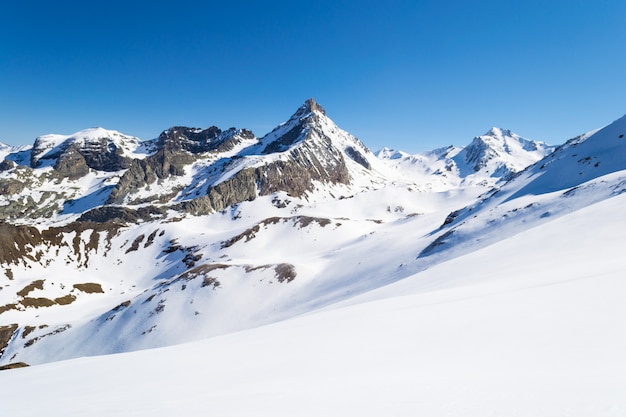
<point>111,244</point>
<point>499,153</point>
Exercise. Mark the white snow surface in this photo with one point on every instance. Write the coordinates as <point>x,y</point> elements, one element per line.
<point>418,291</point>
<point>531,326</point>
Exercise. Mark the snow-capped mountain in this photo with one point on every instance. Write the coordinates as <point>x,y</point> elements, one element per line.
<point>110,244</point>
<point>490,158</point>
<point>499,153</point>
<point>95,148</point>
<point>584,171</point>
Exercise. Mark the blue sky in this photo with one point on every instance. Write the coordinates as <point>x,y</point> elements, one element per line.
<point>412,75</point>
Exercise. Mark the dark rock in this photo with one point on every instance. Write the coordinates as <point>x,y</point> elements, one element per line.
<point>6,334</point>
<point>13,365</point>
<point>104,155</point>
<point>10,186</point>
<point>100,154</point>
<point>284,142</point>
<point>7,165</point>
<point>15,241</point>
<point>358,157</point>
<point>71,164</point>
<point>115,214</point>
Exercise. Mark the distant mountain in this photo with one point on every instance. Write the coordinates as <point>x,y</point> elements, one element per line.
<point>499,153</point>
<point>490,158</point>
<point>112,244</point>
<point>585,170</point>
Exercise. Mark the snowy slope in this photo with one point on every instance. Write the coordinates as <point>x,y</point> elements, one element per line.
<point>586,170</point>
<point>207,240</point>
<point>529,339</point>
<point>209,275</point>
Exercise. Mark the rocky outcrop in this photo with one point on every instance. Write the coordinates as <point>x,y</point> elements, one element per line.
<point>10,186</point>
<point>197,141</point>
<point>306,150</point>
<point>104,155</point>
<point>121,215</point>
<point>178,147</point>
<point>6,334</point>
<point>100,153</point>
<point>7,165</point>
<point>71,164</point>
<point>16,242</point>
<point>358,157</point>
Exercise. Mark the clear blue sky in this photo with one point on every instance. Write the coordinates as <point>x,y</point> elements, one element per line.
<point>413,75</point>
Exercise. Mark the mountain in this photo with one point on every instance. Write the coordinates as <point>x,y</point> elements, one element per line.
<point>499,153</point>
<point>490,158</point>
<point>110,244</point>
<point>582,172</point>
<point>476,280</point>
<point>529,326</point>
<point>91,241</point>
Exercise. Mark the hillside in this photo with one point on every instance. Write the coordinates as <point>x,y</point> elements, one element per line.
<point>111,244</point>
<point>538,335</point>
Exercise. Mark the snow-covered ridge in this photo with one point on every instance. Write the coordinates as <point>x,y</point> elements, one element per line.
<point>212,235</point>
<point>95,139</point>
<point>500,152</point>
<point>489,159</point>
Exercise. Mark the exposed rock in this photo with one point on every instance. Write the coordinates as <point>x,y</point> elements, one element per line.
<point>241,187</point>
<point>71,164</point>
<point>100,153</point>
<point>89,288</point>
<point>104,155</point>
<point>15,242</point>
<point>14,365</point>
<point>178,147</point>
<point>196,141</point>
<point>285,272</point>
<point>358,157</point>
<point>283,142</point>
<point>115,214</point>
<point>6,334</point>
<point>309,106</point>
<point>7,165</point>
<point>161,165</point>
<point>9,186</point>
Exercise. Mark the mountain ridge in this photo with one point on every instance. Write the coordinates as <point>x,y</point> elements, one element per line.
<point>223,231</point>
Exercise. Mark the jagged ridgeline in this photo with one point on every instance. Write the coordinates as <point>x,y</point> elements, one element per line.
<point>188,170</point>
<point>77,210</point>
<point>109,243</point>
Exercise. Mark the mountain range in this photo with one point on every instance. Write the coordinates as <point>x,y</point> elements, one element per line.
<point>113,244</point>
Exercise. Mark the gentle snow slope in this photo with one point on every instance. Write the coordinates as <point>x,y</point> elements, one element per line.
<point>530,326</point>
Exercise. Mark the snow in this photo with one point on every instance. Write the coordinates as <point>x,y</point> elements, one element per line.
<point>419,289</point>
<point>505,336</point>
<point>49,146</point>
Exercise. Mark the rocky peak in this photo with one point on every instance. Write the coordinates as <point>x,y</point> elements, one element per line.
<point>105,150</point>
<point>309,106</point>
<point>196,141</point>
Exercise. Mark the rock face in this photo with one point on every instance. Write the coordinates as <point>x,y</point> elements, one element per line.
<point>178,147</point>
<point>72,164</point>
<point>98,148</point>
<point>198,141</point>
<point>292,158</point>
<point>193,170</point>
